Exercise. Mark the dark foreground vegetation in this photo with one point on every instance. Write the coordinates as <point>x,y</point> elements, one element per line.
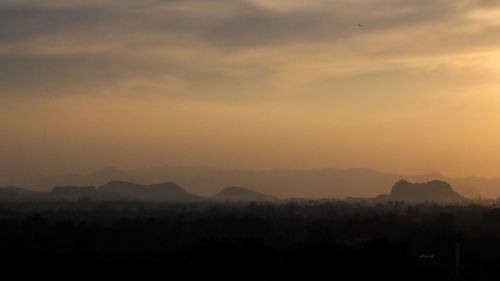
<point>252,241</point>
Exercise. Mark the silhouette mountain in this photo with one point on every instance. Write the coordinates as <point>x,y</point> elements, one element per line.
<point>436,191</point>
<point>111,191</point>
<point>168,191</point>
<point>240,194</point>
<point>80,192</point>
<point>12,193</point>
<point>284,183</point>
<point>7,194</point>
<point>18,190</point>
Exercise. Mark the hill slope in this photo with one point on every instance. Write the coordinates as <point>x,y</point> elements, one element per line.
<point>168,191</point>
<point>235,193</point>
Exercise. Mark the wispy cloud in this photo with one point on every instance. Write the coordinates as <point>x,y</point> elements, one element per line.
<point>220,47</point>
<point>383,84</point>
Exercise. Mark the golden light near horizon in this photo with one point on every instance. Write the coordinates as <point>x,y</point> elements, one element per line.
<point>401,86</point>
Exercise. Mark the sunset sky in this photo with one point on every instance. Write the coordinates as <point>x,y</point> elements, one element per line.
<point>395,85</point>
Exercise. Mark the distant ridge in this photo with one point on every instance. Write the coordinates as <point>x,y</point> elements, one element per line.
<point>12,193</point>
<point>111,191</point>
<point>435,191</point>
<point>167,191</point>
<point>284,183</point>
<point>240,194</point>
<point>73,192</point>
<point>18,190</point>
<point>7,194</point>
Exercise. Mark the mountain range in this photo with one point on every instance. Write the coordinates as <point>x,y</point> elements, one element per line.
<point>125,191</point>
<point>436,191</point>
<point>284,183</point>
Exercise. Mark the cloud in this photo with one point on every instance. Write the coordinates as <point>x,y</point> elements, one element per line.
<point>223,48</point>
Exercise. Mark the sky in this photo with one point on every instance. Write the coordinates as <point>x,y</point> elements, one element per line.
<point>394,85</point>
